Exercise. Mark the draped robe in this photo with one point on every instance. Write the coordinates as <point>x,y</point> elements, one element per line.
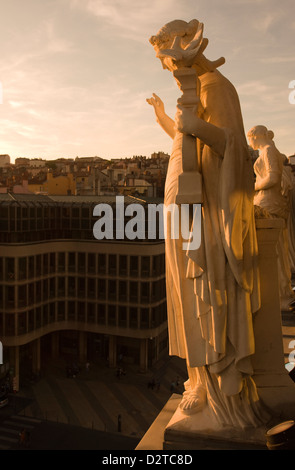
<point>213,291</point>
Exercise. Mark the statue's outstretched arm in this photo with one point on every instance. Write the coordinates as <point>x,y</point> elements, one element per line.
<point>189,123</point>
<point>162,118</point>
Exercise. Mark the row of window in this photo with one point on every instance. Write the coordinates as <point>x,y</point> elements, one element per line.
<point>29,267</point>
<point>30,221</point>
<point>85,312</point>
<point>12,297</point>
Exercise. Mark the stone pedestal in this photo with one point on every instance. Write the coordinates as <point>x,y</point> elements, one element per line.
<point>275,388</point>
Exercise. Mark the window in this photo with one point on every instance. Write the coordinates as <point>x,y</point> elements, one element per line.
<point>9,324</point>
<point>22,323</point>
<point>72,262</point>
<point>38,265</point>
<point>31,320</point>
<point>71,310</point>
<point>45,314</point>
<point>52,263</point>
<point>22,296</point>
<point>31,267</point>
<point>91,288</point>
<point>45,289</point>
<point>91,310</point>
<point>61,311</point>
<point>52,287</point>
<point>45,263</point>
<point>61,285</point>
<point>10,297</point>
<point>144,318</point>
<point>112,315</point>
<point>38,291</point>
<point>112,290</point>
<point>145,293</point>
<point>123,291</point>
<point>22,268</point>
<point>123,265</point>
<point>133,266</point>
<point>133,289</point>
<point>81,287</point>
<point>101,314</point>
<point>133,317</point>
<point>81,263</point>
<point>101,289</point>
<point>113,264</point>
<point>61,263</point>
<point>38,317</point>
<point>91,263</point>
<point>51,312</point>
<point>122,316</point>
<point>81,311</point>
<point>145,266</point>
<point>9,269</point>
<point>71,286</point>
<point>101,268</point>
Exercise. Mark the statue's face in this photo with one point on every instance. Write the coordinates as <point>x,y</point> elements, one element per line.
<point>253,141</point>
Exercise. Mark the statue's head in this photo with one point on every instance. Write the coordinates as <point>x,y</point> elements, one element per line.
<point>181,44</point>
<point>259,135</point>
<point>166,35</point>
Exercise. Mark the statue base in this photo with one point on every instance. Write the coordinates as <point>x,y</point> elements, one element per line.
<point>172,430</point>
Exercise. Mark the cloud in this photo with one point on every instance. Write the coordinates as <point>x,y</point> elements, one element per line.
<point>278,59</point>
<point>133,20</point>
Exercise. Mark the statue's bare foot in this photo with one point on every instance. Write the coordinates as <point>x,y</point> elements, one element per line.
<point>193,401</point>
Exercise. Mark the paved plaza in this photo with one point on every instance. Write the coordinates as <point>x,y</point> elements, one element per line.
<point>105,410</point>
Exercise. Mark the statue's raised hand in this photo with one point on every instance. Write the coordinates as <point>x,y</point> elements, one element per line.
<point>165,121</point>
<point>158,105</point>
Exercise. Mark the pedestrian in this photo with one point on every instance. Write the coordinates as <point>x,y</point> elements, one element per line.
<point>22,438</point>
<point>27,438</point>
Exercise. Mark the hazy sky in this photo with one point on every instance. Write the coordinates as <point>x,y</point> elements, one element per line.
<point>75,74</point>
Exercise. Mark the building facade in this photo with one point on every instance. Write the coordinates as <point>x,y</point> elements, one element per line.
<point>65,293</point>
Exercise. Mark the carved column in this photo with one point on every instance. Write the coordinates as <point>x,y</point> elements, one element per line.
<point>190,180</point>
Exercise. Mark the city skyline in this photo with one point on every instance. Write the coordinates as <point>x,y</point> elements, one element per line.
<point>75,75</point>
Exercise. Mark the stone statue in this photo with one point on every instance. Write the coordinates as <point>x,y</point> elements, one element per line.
<point>213,291</point>
<point>273,193</point>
